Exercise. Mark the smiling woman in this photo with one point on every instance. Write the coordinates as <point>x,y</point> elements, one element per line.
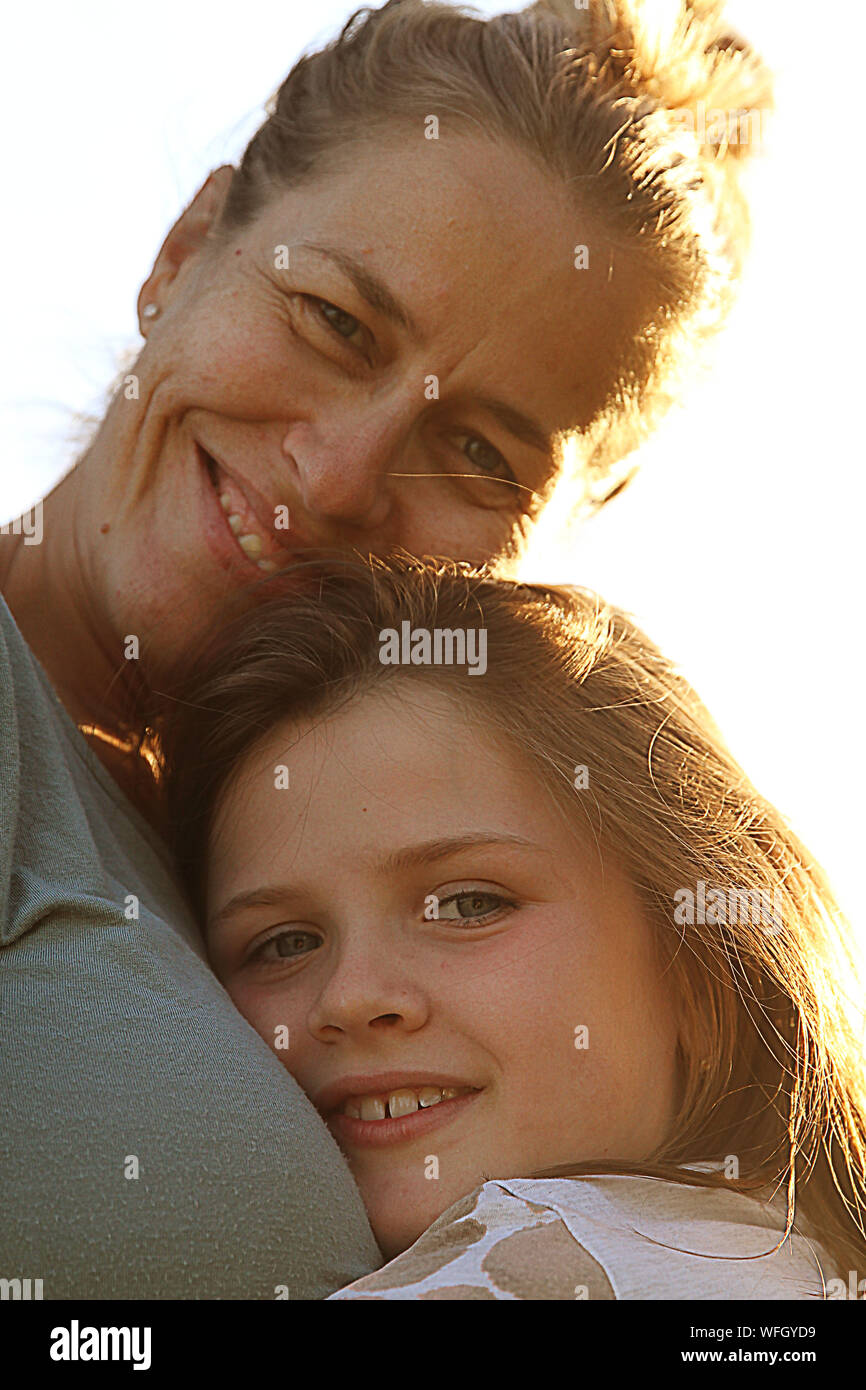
<point>388,337</point>
<point>454,247</point>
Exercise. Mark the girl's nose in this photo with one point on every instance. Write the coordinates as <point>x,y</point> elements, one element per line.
<point>363,994</point>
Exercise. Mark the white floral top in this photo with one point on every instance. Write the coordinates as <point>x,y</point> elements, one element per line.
<point>604,1238</point>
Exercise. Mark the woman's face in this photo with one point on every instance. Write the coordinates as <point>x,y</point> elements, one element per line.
<point>381,360</point>
<point>413,911</point>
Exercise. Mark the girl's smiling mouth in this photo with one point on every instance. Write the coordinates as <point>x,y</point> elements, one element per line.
<point>372,1112</point>
<point>376,1131</point>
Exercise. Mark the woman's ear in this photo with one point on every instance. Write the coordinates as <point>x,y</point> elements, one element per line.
<point>186,238</point>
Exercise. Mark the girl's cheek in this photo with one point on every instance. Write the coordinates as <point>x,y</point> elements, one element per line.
<point>249,1002</point>
<point>274,1018</point>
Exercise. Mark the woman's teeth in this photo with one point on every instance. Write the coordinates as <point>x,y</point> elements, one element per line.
<point>250,543</point>
<point>399,1103</point>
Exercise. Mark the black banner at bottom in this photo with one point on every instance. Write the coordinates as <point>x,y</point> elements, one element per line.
<point>154,1339</point>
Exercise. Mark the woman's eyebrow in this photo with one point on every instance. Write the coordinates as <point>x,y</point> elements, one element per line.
<point>518,424</point>
<point>377,294</point>
<point>369,286</point>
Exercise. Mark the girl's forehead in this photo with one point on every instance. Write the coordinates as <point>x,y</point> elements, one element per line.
<point>401,749</point>
<point>396,723</point>
<point>403,764</point>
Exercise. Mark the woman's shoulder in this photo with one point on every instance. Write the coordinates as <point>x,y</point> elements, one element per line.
<point>29,708</point>
<point>604,1237</point>
<point>14,654</point>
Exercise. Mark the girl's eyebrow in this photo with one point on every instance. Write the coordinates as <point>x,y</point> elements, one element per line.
<point>271,896</point>
<point>430,851</point>
<point>426,852</point>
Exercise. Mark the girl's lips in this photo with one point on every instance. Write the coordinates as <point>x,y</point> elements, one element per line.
<point>379,1134</point>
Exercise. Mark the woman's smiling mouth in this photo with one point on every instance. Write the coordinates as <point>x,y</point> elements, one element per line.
<point>249,539</point>
<point>244,524</point>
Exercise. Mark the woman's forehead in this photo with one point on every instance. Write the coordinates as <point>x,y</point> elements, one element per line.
<point>501,270</point>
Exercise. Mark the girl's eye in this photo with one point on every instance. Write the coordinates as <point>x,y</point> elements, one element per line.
<point>487,459</point>
<point>283,945</point>
<point>471,906</point>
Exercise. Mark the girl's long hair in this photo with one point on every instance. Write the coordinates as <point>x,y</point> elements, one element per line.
<point>770,1040</point>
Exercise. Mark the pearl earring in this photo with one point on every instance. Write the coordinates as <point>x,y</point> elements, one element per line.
<point>150,311</point>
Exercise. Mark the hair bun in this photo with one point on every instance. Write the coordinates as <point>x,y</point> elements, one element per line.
<point>680,54</point>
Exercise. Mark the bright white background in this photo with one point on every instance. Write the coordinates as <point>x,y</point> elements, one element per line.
<point>739,546</point>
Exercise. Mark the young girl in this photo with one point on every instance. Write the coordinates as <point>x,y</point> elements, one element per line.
<point>574,1002</point>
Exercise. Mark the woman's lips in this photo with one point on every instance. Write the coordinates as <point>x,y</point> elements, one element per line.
<point>250,535</point>
<point>291,557</point>
<point>379,1134</point>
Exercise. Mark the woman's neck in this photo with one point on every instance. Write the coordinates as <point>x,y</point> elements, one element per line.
<point>43,585</point>
<point>133,764</point>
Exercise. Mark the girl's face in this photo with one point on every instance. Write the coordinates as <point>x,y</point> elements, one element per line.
<point>397,906</point>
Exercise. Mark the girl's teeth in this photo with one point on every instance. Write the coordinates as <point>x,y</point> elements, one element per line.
<point>429,1095</point>
<point>235,523</point>
<point>399,1103</point>
<point>372,1109</point>
<point>402,1103</point>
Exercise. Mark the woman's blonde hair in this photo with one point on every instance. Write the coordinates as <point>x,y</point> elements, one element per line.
<point>646,108</point>
<point>771,1044</point>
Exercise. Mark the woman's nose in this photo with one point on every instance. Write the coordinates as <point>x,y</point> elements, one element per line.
<point>345,464</point>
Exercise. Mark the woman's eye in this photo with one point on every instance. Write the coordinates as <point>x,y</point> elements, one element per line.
<point>346,325</point>
<point>284,945</point>
<point>487,459</point>
<point>473,906</point>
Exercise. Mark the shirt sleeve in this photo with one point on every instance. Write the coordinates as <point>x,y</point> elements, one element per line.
<point>490,1245</point>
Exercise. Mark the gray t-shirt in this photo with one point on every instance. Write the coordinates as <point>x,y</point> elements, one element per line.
<point>151,1144</point>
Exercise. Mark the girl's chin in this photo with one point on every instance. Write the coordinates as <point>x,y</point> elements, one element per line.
<point>397,1226</point>
<point>394,1240</point>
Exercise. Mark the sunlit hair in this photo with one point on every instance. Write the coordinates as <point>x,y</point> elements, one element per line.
<point>608,99</point>
<point>770,1040</point>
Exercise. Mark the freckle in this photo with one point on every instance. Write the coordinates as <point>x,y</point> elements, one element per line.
<point>104,528</point>
<point>238,252</point>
